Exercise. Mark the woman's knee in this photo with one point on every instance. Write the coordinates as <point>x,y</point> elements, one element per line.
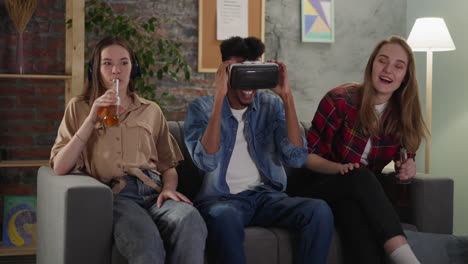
<point>135,239</point>
<point>192,219</point>
<point>185,216</point>
<point>361,177</point>
<point>132,221</point>
<point>183,213</point>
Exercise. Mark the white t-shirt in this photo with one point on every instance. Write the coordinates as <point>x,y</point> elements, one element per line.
<point>379,109</point>
<point>242,173</point>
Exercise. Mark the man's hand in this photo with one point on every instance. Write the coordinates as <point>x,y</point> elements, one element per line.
<point>221,78</point>
<point>173,195</point>
<point>283,87</point>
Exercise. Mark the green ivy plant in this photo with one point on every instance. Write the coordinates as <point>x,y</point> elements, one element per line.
<point>158,56</point>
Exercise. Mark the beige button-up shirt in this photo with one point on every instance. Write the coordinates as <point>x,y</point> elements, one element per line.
<point>141,141</point>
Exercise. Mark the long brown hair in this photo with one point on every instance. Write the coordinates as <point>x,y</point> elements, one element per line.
<point>402,117</point>
<point>94,86</point>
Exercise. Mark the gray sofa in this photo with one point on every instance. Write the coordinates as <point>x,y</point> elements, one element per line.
<point>75,216</point>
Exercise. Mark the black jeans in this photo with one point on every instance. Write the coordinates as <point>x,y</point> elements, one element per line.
<point>364,216</point>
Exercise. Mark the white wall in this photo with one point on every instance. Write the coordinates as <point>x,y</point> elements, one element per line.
<point>450,96</point>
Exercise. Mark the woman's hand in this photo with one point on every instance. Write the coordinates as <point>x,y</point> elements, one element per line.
<point>97,111</point>
<point>321,165</point>
<point>345,168</point>
<point>173,195</point>
<point>405,170</point>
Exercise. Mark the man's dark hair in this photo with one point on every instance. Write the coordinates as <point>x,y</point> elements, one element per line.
<point>250,48</point>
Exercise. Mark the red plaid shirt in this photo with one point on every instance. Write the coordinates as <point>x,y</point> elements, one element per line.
<point>336,135</point>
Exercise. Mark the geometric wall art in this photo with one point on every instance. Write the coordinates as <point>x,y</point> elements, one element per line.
<point>318,21</point>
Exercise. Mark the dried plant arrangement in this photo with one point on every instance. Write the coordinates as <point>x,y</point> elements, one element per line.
<point>20,12</point>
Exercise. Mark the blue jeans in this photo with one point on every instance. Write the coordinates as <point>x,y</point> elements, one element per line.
<point>144,233</point>
<point>227,215</point>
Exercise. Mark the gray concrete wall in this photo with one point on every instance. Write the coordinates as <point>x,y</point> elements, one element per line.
<point>315,68</point>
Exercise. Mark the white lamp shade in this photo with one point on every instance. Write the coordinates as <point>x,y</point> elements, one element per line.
<point>430,33</point>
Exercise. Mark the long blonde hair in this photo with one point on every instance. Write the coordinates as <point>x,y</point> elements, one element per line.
<point>402,117</point>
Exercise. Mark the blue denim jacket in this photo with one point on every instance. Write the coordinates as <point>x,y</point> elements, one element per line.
<point>265,132</point>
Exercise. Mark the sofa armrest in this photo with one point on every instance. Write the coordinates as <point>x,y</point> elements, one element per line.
<point>74,219</point>
<point>432,202</point>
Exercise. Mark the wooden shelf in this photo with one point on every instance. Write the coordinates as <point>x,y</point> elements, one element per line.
<point>23,163</point>
<point>18,251</point>
<point>35,76</point>
<point>73,76</point>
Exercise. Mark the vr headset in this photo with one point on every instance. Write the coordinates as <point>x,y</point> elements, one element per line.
<point>253,75</point>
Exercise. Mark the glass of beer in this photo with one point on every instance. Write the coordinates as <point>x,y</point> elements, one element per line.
<point>112,112</point>
<point>403,158</point>
<point>402,185</point>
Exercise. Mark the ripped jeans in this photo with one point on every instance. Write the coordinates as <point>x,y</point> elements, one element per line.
<point>144,233</point>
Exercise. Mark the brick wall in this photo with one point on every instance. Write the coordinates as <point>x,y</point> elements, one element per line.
<point>31,109</point>
<point>180,22</point>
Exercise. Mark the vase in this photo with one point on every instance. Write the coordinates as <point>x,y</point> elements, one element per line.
<point>19,54</point>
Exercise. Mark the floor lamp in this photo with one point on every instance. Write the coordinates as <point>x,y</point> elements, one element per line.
<point>429,34</point>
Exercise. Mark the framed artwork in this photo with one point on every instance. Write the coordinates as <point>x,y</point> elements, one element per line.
<point>318,21</point>
<point>209,57</point>
<point>19,221</point>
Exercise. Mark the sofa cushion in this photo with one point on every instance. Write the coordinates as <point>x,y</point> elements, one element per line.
<point>190,179</point>
<point>261,245</point>
<point>288,242</point>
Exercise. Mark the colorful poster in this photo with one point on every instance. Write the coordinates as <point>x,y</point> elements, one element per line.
<point>19,220</point>
<point>317,21</point>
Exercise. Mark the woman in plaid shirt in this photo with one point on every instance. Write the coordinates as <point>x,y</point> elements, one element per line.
<point>357,130</point>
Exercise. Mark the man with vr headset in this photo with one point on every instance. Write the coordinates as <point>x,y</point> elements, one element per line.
<point>240,138</point>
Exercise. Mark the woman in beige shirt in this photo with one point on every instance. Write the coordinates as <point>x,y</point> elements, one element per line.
<point>136,158</point>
